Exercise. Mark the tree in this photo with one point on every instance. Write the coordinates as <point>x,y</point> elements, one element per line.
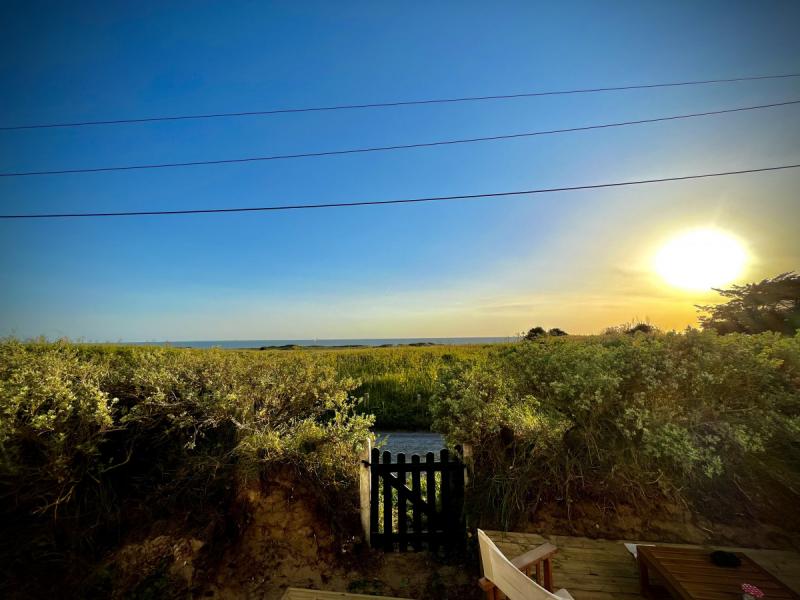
<point>632,328</point>
<point>643,327</point>
<point>535,332</point>
<point>769,305</point>
<point>555,331</point>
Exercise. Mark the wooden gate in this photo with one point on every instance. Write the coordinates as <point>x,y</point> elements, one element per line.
<point>418,504</point>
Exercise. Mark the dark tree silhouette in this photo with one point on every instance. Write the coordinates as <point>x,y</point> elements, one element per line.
<point>555,331</point>
<point>632,328</point>
<point>535,332</point>
<point>769,305</point>
<point>643,327</point>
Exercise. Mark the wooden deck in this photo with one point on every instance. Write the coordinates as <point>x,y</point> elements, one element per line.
<point>304,594</point>
<point>605,570</point>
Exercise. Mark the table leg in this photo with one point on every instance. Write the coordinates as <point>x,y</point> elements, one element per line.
<point>644,578</point>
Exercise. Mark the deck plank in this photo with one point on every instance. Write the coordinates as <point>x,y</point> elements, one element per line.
<point>604,569</point>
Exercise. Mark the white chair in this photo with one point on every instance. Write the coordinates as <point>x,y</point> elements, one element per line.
<point>512,577</point>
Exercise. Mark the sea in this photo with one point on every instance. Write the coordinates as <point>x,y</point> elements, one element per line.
<point>410,442</point>
<point>329,343</point>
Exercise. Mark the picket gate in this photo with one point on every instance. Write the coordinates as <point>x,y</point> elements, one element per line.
<point>417,504</point>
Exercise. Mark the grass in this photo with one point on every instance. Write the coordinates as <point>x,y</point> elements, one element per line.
<point>397,384</point>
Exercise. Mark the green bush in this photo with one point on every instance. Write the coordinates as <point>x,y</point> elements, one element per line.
<point>628,419</point>
<point>96,438</point>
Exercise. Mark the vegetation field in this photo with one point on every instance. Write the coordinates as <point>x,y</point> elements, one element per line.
<point>698,419</point>
<point>97,442</point>
<point>397,385</point>
<point>101,442</point>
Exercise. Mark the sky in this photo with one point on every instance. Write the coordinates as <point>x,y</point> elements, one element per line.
<point>580,261</point>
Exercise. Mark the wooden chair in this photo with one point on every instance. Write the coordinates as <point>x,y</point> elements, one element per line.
<point>512,577</point>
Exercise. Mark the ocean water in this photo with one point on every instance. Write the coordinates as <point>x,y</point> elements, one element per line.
<point>410,442</point>
<point>328,343</point>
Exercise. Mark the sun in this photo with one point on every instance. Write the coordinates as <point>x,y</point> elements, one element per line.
<point>700,259</point>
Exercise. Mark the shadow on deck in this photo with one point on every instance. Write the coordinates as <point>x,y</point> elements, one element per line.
<point>604,569</point>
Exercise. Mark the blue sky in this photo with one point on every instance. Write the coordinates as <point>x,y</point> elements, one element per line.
<point>578,261</point>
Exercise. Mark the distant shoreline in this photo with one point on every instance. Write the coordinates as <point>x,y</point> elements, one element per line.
<point>344,346</point>
<point>329,343</point>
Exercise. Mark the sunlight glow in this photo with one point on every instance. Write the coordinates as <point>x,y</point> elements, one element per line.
<point>700,259</point>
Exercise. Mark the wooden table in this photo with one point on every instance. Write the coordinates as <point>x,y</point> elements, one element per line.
<point>689,574</point>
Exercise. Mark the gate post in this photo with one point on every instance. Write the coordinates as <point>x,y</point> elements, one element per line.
<point>466,455</point>
<point>365,482</point>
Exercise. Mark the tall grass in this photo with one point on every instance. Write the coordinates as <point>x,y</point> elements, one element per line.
<point>396,385</point>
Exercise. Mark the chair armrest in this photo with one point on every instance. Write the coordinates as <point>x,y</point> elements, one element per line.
<point>524,561</point>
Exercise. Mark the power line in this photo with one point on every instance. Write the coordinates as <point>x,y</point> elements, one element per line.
<point>396,201</point>
<point>248,159</point>
<point>394,103</point>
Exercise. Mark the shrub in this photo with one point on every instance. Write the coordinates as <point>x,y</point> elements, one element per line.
<point>628,418</point>
<point>96,438</point>
<point>535,333</point>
